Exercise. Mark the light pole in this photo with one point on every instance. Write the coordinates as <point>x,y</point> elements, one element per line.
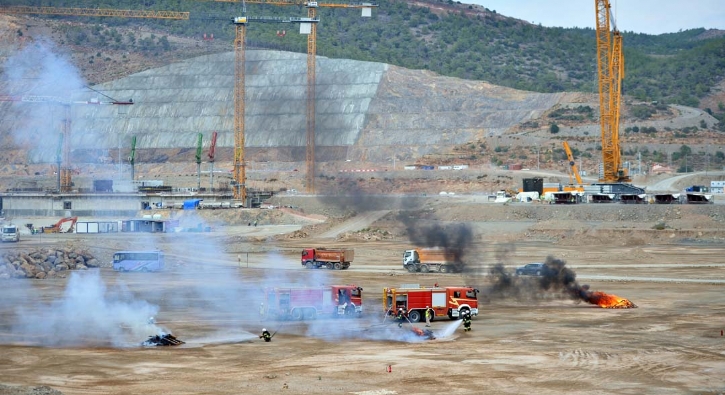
<point>538,150</point>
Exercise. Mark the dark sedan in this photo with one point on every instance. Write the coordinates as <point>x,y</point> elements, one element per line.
<point>531,269</point>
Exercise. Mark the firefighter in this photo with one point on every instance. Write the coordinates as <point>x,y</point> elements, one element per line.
<point>266,335</point>
<point>467,321</point>
<point>400,317</point>
<point>428,315</point>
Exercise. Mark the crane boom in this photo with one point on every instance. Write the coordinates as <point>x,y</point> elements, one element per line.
<point>95,12</point>
<point>212,146</point>
<point>572,164</point>
<point>212,149</point>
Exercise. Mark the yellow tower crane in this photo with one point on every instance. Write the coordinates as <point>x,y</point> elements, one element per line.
<point>311,83</point>
<point>240,23</point>
<point>610,65</point>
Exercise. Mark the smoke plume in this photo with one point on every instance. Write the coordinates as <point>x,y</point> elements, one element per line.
<point>556,279</point>
<point>39,70</point>
<point>87,314</point>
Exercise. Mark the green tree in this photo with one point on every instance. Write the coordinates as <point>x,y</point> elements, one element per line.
<point>554,128</point>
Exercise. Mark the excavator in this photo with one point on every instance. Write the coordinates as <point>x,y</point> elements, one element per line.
<point>61,226</point>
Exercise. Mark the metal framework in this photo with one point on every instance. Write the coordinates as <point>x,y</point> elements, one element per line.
<point>311,81</point>
<point>95,12</point>
<point>610,66</point>
<point>240,176</point>
<point>572,164</point>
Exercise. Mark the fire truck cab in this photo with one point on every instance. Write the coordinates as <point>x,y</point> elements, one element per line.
<point>309,303</point>
<point>453,302</point>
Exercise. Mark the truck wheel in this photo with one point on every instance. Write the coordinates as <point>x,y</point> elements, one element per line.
<point>424,269</point>
<point>444,269</point>
<point>310,314</point>
<point>338,266</point>
<point>296,314</point>
<point>414,316</point>
<point>411,268</point>
<point>310,265</point>
<point>329,266</point>
<point>463,312</point>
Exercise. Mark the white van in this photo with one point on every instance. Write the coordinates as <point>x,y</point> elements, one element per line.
<point>10,233</point>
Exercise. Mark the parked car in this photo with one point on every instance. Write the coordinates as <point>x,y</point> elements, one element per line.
<point>532,269</point>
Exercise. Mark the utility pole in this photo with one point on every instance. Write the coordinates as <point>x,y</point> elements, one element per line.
<point>538,151</point>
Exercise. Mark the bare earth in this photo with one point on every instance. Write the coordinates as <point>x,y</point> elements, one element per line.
<point>71,336</point>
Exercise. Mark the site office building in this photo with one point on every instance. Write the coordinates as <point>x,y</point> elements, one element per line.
<point>453,302</point>
<point>309,303</point>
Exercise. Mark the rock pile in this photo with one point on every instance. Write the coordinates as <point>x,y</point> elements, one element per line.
<point>45,262</point>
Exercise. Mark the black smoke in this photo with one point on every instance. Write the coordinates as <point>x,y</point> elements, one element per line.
<point>455,239</point>
<point>556,280</point>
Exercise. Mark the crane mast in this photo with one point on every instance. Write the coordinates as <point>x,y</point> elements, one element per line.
<point>212,152</point>
<point>199,147</point>
<point>610,66</point>
<point>132,158</point>
<point>311,83</point>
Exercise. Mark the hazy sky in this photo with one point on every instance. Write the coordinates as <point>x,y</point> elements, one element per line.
<point>641,16</point>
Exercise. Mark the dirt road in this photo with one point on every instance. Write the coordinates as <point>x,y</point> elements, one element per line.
<point>539,343</point>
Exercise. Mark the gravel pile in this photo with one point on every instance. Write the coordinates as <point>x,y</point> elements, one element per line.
<point>45,262</point>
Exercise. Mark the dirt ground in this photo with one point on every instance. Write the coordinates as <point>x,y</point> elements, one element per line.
<point>81,334</point>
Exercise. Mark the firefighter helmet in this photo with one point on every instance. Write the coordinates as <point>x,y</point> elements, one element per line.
<point>264,329</point>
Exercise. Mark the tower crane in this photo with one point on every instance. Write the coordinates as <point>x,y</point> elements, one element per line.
<point>212,151</point>
<point>311,78</point>
<point>240,176</point>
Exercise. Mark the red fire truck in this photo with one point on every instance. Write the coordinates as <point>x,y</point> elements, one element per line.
<point>445,301</point>
<point>309,303</point>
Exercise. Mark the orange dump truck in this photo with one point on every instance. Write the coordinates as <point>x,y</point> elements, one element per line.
<point>315,258</point>
<point>426,260</point>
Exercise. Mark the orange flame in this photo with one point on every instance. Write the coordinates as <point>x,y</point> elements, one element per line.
<point>608,301</point>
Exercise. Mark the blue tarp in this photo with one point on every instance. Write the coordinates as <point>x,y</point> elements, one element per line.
<point>191,204</point>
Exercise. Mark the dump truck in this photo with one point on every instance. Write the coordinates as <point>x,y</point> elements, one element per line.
<point>426,260</point>
<point>309,303</point>
<point>452,302</point>
<point>332,258</point>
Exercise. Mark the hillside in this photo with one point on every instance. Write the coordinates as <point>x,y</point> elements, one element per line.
<point>449,38</point>
<point>461,120</point>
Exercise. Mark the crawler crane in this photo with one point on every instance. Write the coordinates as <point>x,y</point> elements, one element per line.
<point>613,178</point>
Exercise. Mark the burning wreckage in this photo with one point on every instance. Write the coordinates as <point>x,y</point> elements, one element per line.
<point>162,339</point>
<point>554,277</point>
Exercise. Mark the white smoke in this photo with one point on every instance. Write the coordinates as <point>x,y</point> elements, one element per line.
<point>38,70</point>
<point>87,314</point>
